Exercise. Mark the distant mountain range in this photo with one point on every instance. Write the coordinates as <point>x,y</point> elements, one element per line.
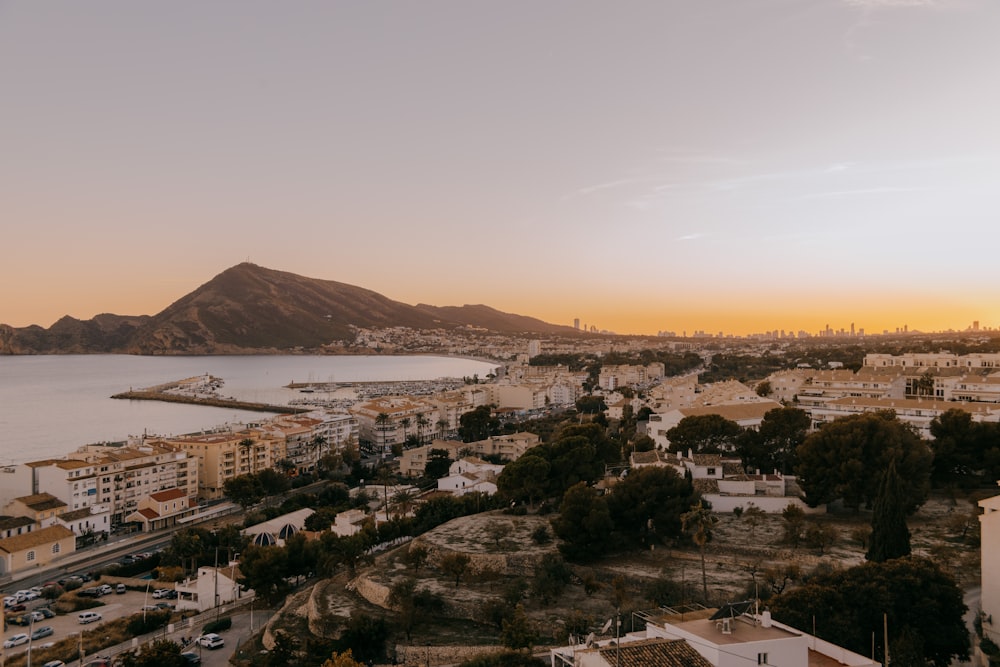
<point>251,309</point>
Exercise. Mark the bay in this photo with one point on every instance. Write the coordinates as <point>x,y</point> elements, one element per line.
<point>52,404</point>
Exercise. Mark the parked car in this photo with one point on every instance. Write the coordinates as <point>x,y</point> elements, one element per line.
<point>120,589</point>
<point>88,617</point>
<point>9,601</point>
<point>161,593</point>
<point>211,640</point>
<point>16,640</point>
<point>100,661</point>
<point>44,631</point>
<point>16,607</point>
<point>93,592</point>
<point>54,663</point>
<point>191,657</point>
<point>46,612</point>
<point>36,616</point>
<point>105,589</point>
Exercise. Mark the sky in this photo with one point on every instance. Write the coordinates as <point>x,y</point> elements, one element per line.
<point>644,166</point>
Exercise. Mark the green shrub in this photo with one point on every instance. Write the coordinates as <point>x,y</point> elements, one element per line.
<point>219,625</point>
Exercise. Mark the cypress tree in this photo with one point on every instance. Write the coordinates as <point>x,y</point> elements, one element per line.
<point>890,536</point>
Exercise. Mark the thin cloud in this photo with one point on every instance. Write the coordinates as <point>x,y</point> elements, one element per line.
<point>887,190</point>
<point>690,237</point>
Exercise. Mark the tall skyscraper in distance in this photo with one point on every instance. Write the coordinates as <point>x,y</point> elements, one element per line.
<point>576,323</point>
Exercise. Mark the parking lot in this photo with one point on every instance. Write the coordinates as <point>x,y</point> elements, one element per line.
<point>64,625</point>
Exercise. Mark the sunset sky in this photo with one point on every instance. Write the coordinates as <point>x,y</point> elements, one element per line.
<point>733,165</point>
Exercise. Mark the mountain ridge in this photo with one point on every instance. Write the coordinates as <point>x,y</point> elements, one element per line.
<point>250,309</point>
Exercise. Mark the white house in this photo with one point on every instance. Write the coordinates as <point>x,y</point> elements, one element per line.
<point>989,523</point>
<point>211,588</point>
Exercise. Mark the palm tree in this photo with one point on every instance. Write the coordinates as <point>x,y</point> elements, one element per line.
<point>698,524</point>
<point>318,443</point>
<point>421,423</point>
<point>442,425</point>
<point>246,446</point>
<point>381,425</point>
<point>405,421</point>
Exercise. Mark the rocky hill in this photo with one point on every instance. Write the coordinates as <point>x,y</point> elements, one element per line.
<point>252,309</point>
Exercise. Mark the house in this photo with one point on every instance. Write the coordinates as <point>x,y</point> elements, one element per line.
<point>162,510</point>
<point>212,587</point>
<point>35,549</point>
<point>727,637</point>
<point>349,522</point>
<point>413,461</point>
<point>747,415</point>
<point>989,524</point>
<point>87,523</point>
<point>42,508</point>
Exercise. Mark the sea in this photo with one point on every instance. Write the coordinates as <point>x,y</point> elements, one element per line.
<point>51,405</point>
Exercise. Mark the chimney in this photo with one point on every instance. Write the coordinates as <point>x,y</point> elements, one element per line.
<point>765,619</point>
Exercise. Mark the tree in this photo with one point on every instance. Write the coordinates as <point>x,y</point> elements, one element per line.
<point>698,523</point>
<point>704,434</point>
<point>844,459</point>
<point>647,505</point>
<point>412,605</point>
<point>524,479</point>
<point>478,424</point>
<point>246,447</point>
<point>265,570</point>
<point>159,653</point>
<point>382,425</point>
<point>365,637</point>
<point>795,521</point>
<point>820,536</point>
<point>764,388</point>
<point>753,516</point>
<point>415,556</point>
<point>345,659</point>
<point>422,423</point>
<point>890,537</point>
<point>551,577</point>
<point>959,446</point>
<point>455,565</point>
<point>584,524</point>
<point>846,606</point>
<point>438,463</point>
<point>517,632</point>
<point>243,489</point>
<point>773,445</point>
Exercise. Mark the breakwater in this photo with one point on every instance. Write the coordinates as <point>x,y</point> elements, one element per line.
<point>215,402</point>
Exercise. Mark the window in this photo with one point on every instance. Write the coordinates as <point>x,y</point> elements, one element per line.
<point>762,658</point>
<point>30,557</point>
<point>55,548</point>
<point>710,471</point>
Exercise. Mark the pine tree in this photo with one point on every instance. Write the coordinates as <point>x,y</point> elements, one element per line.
<point>890,536</point>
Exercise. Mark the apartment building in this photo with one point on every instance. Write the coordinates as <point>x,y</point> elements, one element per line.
<point>916,412</point>
<point>72,481</point>
<point>223,455</point>
<point>413,461</point>
<point>869,382</point>
<point>924,360</point>
<point>129,473</point>
<point>747,415</point>
<point>388,420</point>
<point>508,447</point>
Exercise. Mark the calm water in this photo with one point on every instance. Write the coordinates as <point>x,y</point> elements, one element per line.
<point>50,405</point>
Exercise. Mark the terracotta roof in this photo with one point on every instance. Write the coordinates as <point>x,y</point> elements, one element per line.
<point>41,502</point>
<point>148,513</point>
<point>81,513</point>
<point>35,538</point>
<point>653,653</point>
<point>704,486</point>
<point>169,494</point>
<point>9,522</point>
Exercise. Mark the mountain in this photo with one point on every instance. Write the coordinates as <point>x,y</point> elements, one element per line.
<point>248,309</point>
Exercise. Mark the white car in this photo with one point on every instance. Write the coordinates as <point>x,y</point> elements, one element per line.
<point>16,640</point>
<point>211,640</point>
<point>88,617</point>
<point>9,601</point>
<point>161,593</point>
<point>26,596</point>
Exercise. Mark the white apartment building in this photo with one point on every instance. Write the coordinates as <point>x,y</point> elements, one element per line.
<point>747,415</point>
<point>924,360</point>
<point>128,474</point>
<point>916,412</point>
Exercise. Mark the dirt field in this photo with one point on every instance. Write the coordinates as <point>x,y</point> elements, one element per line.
<point>738,555</point>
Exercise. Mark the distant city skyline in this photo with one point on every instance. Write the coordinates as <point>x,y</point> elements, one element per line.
<point>642,166</point>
